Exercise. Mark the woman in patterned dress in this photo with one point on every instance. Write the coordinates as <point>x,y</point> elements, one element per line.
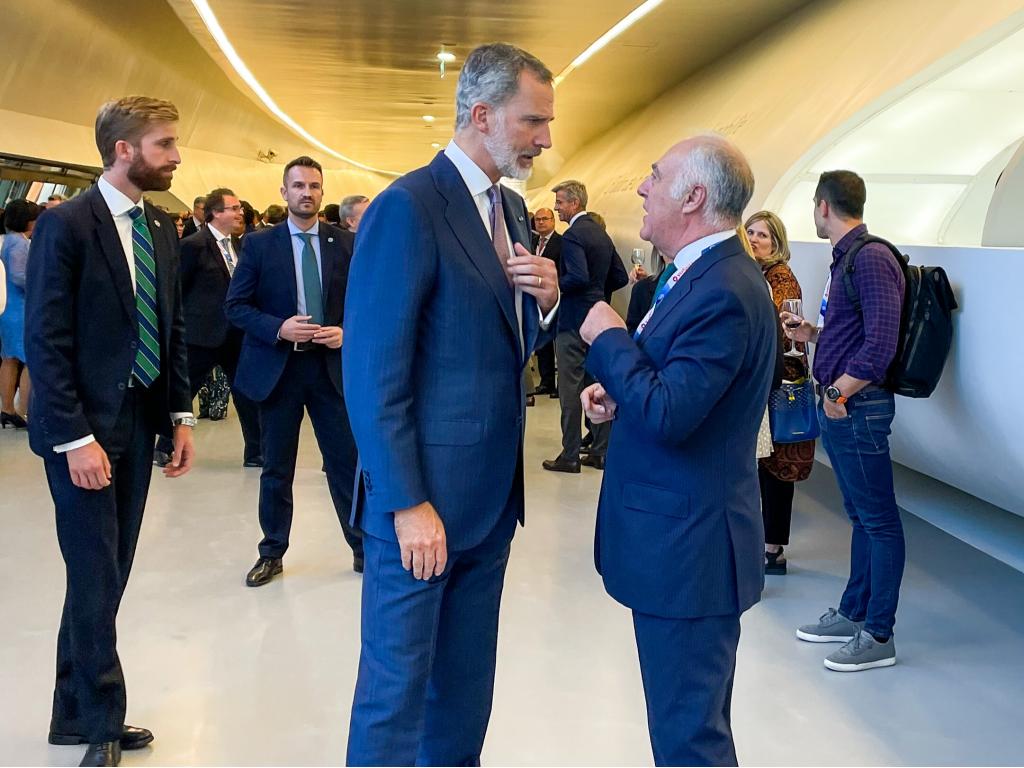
<point>790,462</point>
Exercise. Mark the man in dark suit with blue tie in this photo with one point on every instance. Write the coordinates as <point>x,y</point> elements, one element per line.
<point>445,306</point>
<point>590,272</point>
<point>288,296</point>
<point>106,344</point>
<point>547,243</point>
<point>679,531</point>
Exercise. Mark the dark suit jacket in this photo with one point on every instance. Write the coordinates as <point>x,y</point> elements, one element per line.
<point>679,530</point>
<point>553,249</point>
<point>190,228</point>
<point>81,329</point>
<point>263,295</point>
<point>640,301</point>
<point>433,359</point>
<point>204,287</point>
<point>588,273</point>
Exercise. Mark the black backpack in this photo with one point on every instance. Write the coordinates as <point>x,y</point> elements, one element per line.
<point>926,323</point>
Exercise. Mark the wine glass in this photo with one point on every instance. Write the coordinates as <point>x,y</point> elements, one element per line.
<point>794,307</point>
<point>637,257</point>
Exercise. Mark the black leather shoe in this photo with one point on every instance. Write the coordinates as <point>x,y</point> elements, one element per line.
<point>562,465</point>
<point>266,568</point>
<point>775,563</point>
<point>161,458</point>
<point>131,738</point>
<point>357,565</point>
<point>107,753</point>
<point>12,420</point>
<point>530,401</point>
<point>543,390</point>
<point>592,460</point>
<point>255,461</point>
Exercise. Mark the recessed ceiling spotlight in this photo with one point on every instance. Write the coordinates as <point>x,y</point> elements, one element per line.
<point>428,118</point>
<point>444,57</point>
<point>435,145</point>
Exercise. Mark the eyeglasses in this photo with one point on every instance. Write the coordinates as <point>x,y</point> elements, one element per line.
<point>232,208</point>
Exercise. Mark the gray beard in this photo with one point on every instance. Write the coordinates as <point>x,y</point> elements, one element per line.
<point>505,157</point>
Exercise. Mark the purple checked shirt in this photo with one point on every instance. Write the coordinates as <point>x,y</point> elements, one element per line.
<point>860,344</point>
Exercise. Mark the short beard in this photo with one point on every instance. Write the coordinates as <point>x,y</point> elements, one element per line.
<point>504,155</point>
<point>146,177</point>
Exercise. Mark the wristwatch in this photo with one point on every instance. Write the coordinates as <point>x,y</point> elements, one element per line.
<point>185,421</point>
<point>833,394</point>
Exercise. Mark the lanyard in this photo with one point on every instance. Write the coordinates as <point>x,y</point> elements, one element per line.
<point>668,286</point>
<point>824,302</point>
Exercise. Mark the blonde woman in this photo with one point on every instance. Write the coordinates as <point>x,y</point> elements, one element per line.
<point>789,463</point>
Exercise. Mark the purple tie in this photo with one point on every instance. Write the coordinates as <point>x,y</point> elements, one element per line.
<point>499,234</point>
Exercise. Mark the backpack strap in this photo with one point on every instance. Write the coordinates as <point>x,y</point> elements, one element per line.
<point>848,265</point>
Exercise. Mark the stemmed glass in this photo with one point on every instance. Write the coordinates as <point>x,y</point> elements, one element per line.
<point>794,307</point>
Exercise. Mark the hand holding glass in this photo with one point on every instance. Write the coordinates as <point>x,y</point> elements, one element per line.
<point>638,256</point>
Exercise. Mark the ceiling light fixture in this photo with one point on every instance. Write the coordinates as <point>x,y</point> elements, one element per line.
<point>429,118</point>
<point>444,57</point>
<point>217,32</point>
<point>634,16</point>
<point>435,145</point>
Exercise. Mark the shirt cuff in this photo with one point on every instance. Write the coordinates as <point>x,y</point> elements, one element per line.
<point>65,447</point>
<point>545,322</point>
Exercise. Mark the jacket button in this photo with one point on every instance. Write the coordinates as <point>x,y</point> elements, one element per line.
<point>120,385</point>
<point>135,345</point>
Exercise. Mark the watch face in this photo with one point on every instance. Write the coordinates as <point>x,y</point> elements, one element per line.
<point>833,393</point>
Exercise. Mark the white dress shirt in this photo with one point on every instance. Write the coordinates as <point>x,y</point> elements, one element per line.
<point>297,246</point>
<point>690,253</point>
<point>573,219</point>
<point>120,206</point>
<point>478,184</point>
<point>220,238</point>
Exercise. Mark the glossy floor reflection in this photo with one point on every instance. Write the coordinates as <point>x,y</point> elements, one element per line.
<point>226,675</point>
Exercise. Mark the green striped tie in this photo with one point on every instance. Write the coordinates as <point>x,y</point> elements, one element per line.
<point>147,356</point>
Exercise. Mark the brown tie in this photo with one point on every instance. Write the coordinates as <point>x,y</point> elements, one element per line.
<point>499,234</point>
<point>541,245</point>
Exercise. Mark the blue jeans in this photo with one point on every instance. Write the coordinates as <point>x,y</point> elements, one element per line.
<point>858,447</point>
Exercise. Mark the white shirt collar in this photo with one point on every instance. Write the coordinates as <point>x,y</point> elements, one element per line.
<point>472,174</point>
<point>294,230</point>
<point>573,219</point>
<point>117,201</point>
<point>690,253</point>
<point>216,235</point>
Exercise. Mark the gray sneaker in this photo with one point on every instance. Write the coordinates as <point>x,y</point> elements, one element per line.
<point>832,627</point>
<point>862,652</point>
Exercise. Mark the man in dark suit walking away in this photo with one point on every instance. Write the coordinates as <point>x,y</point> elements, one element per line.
<point>679,531</point>
<point>106,344</point>
<point>547,243</point>
<point>591,270</point>
<point>196,220</point>
<point>288,296</point>
<point>208,260</point>
<point>444,309</point>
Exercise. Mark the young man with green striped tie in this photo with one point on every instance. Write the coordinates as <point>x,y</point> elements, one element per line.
<point>105,334</point>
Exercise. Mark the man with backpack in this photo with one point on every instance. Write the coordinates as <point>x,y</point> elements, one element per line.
<point>857,338</point>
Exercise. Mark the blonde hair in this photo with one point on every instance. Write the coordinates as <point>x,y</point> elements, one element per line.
<point>780,240</point>
<point>128,119</point>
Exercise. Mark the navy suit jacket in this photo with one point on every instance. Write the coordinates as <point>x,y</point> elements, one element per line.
<point>590,271</point>
<point>263,294</point>
<point>679,530</point>
<point>433,359</point>
<point>81,329</point>
<point>204,286</point>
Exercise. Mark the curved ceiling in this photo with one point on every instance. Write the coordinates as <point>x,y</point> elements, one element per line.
<point>360,79</point>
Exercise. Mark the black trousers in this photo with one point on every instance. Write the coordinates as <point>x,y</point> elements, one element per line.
<point>546,365</point>
<point>201,361</point>
<point>304,386</point>
<point>97,532</point>
<point>776,506</point>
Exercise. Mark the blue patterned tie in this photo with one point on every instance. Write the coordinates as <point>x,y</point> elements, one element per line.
<point>311,289</point>
<point>147,356</point>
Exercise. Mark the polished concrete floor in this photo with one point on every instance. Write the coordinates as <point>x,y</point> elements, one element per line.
<point>227,675</point>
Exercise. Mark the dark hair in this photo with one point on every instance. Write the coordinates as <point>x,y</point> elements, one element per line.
<point>332,212</point>
<point>198,200</point>
<point>248,214</point>
<point>19,214</point>
<point>304,162</point>
<point>215,202</point>
<point>844,192</point>
<point>276,214</point>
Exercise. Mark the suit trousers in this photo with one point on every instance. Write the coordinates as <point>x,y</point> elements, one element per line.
<point>304,386</point>
<point>97,532</point>
<point>426,668</point>
<point>571,353</point>
<point>546,366</point>
<point>688,667</point>
<point>201,361</point>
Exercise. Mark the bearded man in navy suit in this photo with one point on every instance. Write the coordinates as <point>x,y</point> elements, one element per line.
<point>445,305</point>
<point>679,531</point>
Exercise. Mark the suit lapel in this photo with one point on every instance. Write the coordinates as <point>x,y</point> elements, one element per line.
<point>682,289</point>
<point>110,244</point>
<point>519,230</point>
<point>463,217</point>
<point>284,239</point>
<point>164,275</point>
<point>215,251</point>
<point>330,252</point>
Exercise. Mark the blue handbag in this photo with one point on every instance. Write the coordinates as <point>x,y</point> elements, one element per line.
<point>793,412</point>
